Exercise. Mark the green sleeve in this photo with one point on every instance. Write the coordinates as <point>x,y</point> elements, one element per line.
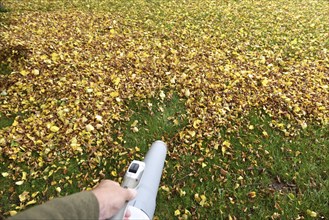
<point>82,205</point>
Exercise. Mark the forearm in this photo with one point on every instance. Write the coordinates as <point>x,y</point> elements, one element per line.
<point>83,205</point>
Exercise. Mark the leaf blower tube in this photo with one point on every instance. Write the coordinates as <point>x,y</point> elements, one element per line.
<point>145,177</point>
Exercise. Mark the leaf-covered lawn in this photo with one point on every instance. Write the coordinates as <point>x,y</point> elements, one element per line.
<point>76,67</point>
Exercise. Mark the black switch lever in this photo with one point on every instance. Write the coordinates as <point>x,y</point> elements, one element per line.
<point>133,168</point>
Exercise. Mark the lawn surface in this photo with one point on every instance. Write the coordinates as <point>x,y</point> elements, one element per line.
<point>237,89</point>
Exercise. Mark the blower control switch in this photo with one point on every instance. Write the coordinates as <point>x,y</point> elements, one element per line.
<point>133,168</point>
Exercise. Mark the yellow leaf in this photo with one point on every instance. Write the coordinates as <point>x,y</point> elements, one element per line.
<point>24,175</point>
<point>321,108</point>
<point>96,180</point>
<point>74,142</point>
<point>4,174</point>
<point>177,212</point>
<point>165,188</point>
<point>311,213</point>
<point>35,72</point>
<point>265,134</point>
<point>54,56</point>
<point>114,94</point>
<point>196,123</point>
<point>114,173</point>
<point>262,60</point>
<point>162,95</point>
<point>294,41</point>
<point>303,124</point>
<point>31,99</point>
<point>31,202</point>
<point>291,196</point>
<point>203,200</point>
<point>182,192</point>
<point>223,150</point>
<point>226,144</point>
<point>12,213</point>
<point>98,93</point>
<point>19,182</point>
<point>134,124</point>
<point>265,82</point>
<point>115,80</point>
<point>50,173</point>
<point>187,212</point>
<point>197,197</point>
<point>187,92</point>
<point>99,118</point>
<point>54,128</point>
<point>130,55</point>
<point>89,90</point>
<point>24,72</point>
<point>2,141</point>
<point>15,123</point>
<point>192,133</point>
<point>297,153</point>
<point>34,194</point>
<point>89,128</point>
<point>252,194</point>
<point>44,57</point>
<point>22,197</point>
<point>296,109</point>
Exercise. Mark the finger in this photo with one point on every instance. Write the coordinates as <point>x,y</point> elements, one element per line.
<point>109,183</point>
<point>130,194</point>
<point>127,214</point>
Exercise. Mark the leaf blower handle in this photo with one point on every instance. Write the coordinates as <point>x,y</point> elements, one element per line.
<point>145,178</point>
<point>130,180</point>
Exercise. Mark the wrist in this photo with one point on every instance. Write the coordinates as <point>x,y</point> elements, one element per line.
<point>101,208</point>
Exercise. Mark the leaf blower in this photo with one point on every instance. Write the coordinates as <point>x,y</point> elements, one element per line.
<point>144,176</point>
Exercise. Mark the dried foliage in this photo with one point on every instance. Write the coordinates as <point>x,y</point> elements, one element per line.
<point>76,70</point>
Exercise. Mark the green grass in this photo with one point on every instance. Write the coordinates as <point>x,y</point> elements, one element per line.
<point>288,174</point>
<point>269,170</point>
<point>42,182</point>
<point>71,175</point>
<point>6,121</point>
<point>155,120</point>
<point>285,168</point>
<point>3,9</point>
<point>4,69</point>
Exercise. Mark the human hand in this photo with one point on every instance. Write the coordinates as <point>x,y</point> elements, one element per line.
<point>111,198</point>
